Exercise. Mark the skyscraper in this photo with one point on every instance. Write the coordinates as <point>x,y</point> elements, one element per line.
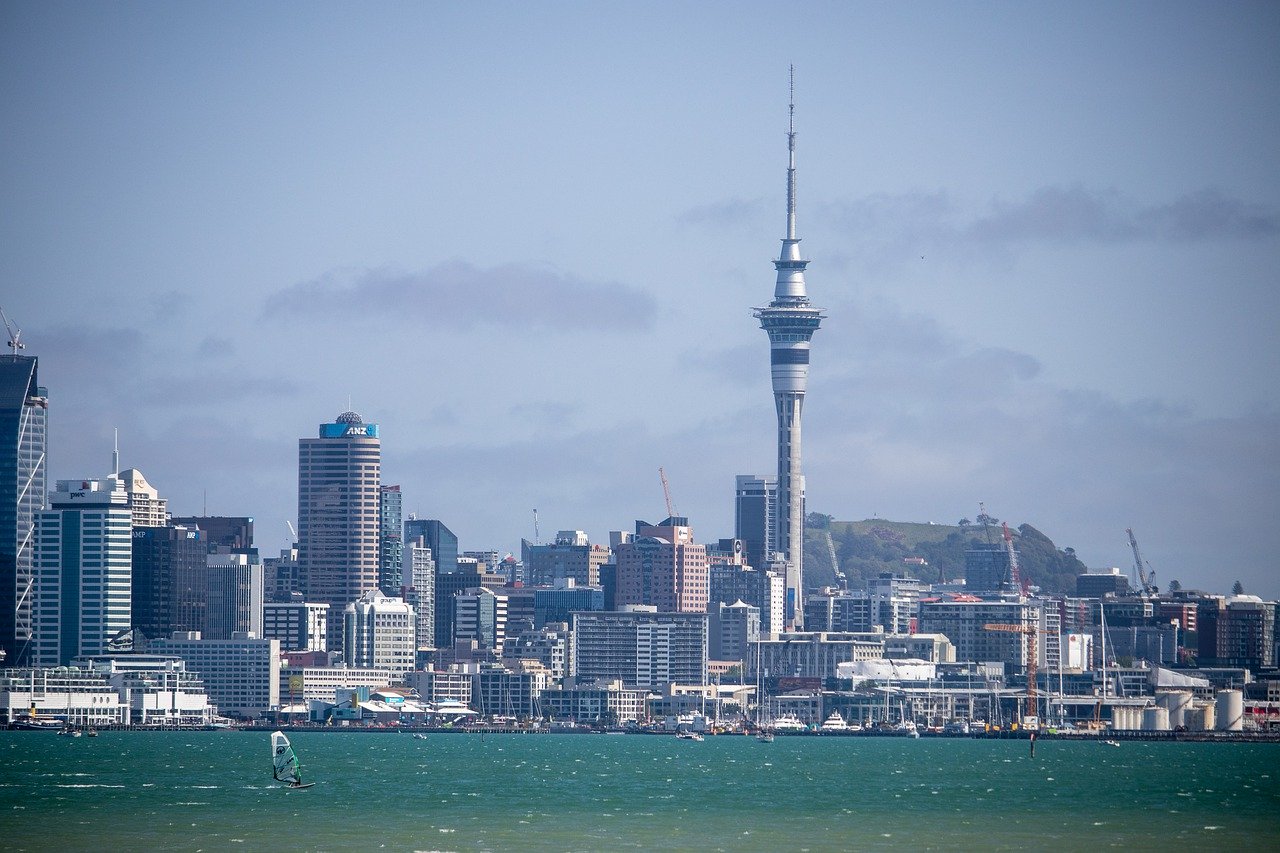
<point>663,567</point>
<point>790,320</point>
<point>390,541</point>
<point>755,506</point>
<point>24,413</point>
<point>339,479</point>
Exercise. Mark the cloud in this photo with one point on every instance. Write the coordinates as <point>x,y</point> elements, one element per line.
<point>457,295</point>
<point>734,211</point>
<point>202,388</point>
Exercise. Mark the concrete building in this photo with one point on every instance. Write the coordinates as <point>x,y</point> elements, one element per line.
<point>517,693</point>
<point>480,614</point>
<point>663,567</point>
<point>962,619</point>
<point>1100,583</point>
<point>812,654</point>
<point>642,648</point>
<point>299,685</point>
<point>733,630</point>
<point>548,645</point>
<point>571,556</point>
<point>339,491</point>
<point>762,589</point>
<point>84,569</point>
<point>24,420</point>
<point>379,633</point>
<point>601,703</point>
<point>299,626</point>
<point>1236,631</point>
<point>241,674</point>
<point>233,533</point>
<point>419,590</point>
<point>280,578</point>
<point>790,321</point>
<point>145,504</point>
<point>448,586</point>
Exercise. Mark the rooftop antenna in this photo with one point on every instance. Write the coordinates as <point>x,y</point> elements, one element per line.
<point>791,159</point>
<point>15,334</point>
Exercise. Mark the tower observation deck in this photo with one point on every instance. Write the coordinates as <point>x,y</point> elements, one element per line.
<point>790,321</point>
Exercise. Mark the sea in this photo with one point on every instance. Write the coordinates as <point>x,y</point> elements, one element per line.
<point>198,790</point>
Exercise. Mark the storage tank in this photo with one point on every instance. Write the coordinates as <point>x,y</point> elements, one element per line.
<point>1155,719</point>
<point>1129,718</point>
<point>1177,702</point>
<point>1200,717</point>
<point>1230,710</point>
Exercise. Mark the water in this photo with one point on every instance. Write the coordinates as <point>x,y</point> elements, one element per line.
<point>213,791</point>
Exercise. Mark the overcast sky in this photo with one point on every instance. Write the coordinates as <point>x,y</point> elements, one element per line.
<point>524,238</point>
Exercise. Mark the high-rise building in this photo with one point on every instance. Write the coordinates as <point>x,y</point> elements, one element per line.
<point>571,556</point>
<point>640,647</point>
<point>390,540</point>
<point>480,614</point>
<point>232,532</point>
<point>790,320</point>
<point>339,480</point>
<point>234,595</point>
<point>420,590</point>
<point>378,632</point>
<point>440,539</point>
<point>299,626</point>
<point>84,568</point>
<point>761,589</point>
<point>145,503</point>
<point>755,507</point>
<point>662,566</point>
<point>169,580</point>
<point>24,422</point>
<point>448,586</point>
<point>987,568</point>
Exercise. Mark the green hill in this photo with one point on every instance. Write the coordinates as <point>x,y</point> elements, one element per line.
<point>864,549</point>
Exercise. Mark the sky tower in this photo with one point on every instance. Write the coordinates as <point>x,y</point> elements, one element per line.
<point>790,320</point>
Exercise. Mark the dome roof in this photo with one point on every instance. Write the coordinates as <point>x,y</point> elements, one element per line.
<point>349,418</point>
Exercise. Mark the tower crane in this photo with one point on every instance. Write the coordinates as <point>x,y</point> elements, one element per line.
<point>1019,582</point>
<point>835,563</point>
<point>1031,632</point>
<point>1146,578</point>
<point>666,492</point>
<point>15,334</point>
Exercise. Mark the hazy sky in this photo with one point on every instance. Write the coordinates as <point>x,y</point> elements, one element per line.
<point>524,238</point>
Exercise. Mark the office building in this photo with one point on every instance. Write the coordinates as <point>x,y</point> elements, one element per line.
<point>233,595</point>
<point>24,425</point>
<point>145,504</point>
<point>764,590</point>
<point>298,625</point>
<point>84,569</point>
<point>390,540</point>
<point>987,569</point>
<point>733,631</point>
<point>1099,584</point>
<point>556,603</point>
<point>233,533</point>
<point>169,580</point>
<point>480,614</point>
<point>448,585</point>
<point>439,538</point>
<point>241,674</point>
<point>378,633</point>
<point>640,647</point>
<point>664,567</point>
<point>755,513</point>
<point>420,590</point>
<point>339,491</point>
<point>571,556</point>
<point>963,619</point>
<point>280,576</point>
<point>790,321</point>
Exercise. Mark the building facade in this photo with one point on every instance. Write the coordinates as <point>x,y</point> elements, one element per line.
<point>299,626</point>
<point>755,517</point>
<point>240,674</point>
<point>339,489</point>
<point>379,633</point>
<point>168,580</point>
<point>642,648</point>
<point>24,428</point>
<point>571,557</point>
<point>664,567</point>
<point>390,540</point>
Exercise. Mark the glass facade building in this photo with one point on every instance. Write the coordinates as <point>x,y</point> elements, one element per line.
<point>24,411</point>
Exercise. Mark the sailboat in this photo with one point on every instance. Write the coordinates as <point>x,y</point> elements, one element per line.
<point>284,763</point>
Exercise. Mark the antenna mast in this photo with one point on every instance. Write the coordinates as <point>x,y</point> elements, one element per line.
<point>791,159</point>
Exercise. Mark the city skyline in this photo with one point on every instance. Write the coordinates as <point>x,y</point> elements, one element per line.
<point>1047,240</point>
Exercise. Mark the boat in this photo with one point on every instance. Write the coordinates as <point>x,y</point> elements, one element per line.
<point>284,762</point>
<point>835,723</point>
<point>685,734</point>
<point>764,736</point>
<point>1112,742</point>
<point>419,736</point>
<point>789,723</point>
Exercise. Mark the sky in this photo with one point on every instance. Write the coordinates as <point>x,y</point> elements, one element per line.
<point>525,240</point>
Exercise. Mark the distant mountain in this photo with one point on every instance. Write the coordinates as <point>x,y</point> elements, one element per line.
<point>864,549</point>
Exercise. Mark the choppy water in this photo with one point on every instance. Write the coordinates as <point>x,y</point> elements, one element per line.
<point>213,791</point>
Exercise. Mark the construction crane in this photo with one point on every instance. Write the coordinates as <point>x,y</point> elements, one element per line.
<point>835,564</point>
<point>1031,632</point>
<point>1019,582</point>
<point>1146,578</point>
<point>15,334</point>
<point>535,526</point>
<point>666,492</point>
<point>292,531</point>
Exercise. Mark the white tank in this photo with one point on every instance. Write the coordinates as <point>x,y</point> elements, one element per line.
<point>1177,703</point>
<point>1126,719</point>
<point>1230,710</point>
<point>1155,719</point>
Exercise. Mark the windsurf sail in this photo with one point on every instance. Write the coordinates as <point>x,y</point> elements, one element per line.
<point>284,761</point>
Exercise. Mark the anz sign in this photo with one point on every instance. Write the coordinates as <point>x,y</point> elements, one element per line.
<point>348,430</point>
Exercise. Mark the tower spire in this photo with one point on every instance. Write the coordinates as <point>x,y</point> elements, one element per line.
<point>791,159</point>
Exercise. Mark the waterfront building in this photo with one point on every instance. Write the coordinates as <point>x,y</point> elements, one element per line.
<point>240,674</point>
<point>299,626</point>
<point>154,690</point>
<point>84,568</point>
<point>302,684</point>
<point>379,633</point>
<point>420,591</point>
<point>812,654</point>
<point>339,490</point>
<point>390,540</point>
<point>168,580</point>
<point>499,692</point>
<point>451,686</point>
<point>934,648</point>
<point>790,321</point>
<point>234,595</point>
<point>548,645</point>
<point>962,619</point>
<point>70,694</point>
<point>602,703</point>
<point>571,556</point>
<point>642,647</point>
<point>664,567</point>
<point>24,426</point>
<point>755,517</point>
